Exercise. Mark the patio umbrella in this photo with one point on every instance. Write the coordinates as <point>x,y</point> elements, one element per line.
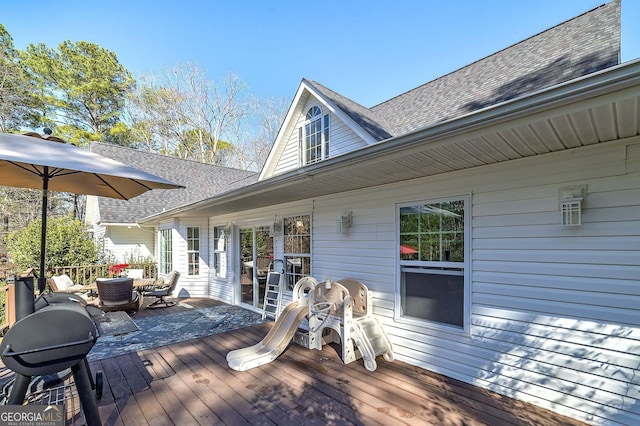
<point>48,163</point>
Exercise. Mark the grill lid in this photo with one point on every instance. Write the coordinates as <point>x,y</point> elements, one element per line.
<point>52,339</point>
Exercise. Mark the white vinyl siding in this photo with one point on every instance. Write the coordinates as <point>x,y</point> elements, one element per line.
<point>554,316</point>
<point>553,308</point>
<point>124,244</point>
<point>343,139</point>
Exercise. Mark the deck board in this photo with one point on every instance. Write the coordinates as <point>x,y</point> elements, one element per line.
<point>190,383</point>
<point>327,391</point>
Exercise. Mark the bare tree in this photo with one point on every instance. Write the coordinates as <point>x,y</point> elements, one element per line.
<point>254,137</point>
<point>182,113</point>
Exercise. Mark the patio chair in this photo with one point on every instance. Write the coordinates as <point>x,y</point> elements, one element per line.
<point>117,294</point>
<point>64,284</point>
<point>162,290</point>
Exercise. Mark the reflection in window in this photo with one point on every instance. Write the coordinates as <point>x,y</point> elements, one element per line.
<point>165,263</point>
<point>432,261</point>
<point>297,248</point>
<point>220,251</point>
<point>432,232</point>
<point>314,141</point>
<point>193,250</point>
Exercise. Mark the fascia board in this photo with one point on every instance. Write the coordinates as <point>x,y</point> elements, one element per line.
<point>283,129</point>
<point>369,140</point>
<point>579,90</point>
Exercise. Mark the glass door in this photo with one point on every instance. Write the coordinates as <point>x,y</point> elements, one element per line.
<point>256,254</point>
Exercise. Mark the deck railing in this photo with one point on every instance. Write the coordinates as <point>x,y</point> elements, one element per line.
<point>87,274</point>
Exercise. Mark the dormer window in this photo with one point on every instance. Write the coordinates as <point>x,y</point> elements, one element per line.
<point>313,136</point>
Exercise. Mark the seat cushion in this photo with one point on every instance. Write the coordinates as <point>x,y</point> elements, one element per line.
<point>63,282</point>
<point>134,296</point>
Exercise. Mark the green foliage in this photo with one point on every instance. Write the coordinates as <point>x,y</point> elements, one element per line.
<point>121,134</point>
<point>201,145</point>
<point>77,136</point>
<point>16,101</point>
<point>81,85</point>
<point>67,244</point>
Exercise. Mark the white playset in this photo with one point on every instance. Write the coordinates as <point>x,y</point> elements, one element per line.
<point>322,313</point>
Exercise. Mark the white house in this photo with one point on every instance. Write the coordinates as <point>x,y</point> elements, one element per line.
<point>493,212</point>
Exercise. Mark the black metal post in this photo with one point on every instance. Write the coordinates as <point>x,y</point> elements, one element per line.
<point>18,389</point>
<point>82,378</point>
<point>42,278</point>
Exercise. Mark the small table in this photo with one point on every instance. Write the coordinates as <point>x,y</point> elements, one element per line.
<point>138,284</point>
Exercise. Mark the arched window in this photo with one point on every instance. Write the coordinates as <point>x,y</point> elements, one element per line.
<point>313,136</point>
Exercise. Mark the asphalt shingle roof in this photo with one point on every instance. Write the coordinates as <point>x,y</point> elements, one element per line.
<point>582,45</point>
<point>369,120</point>
<point>585,44</point>
<point>201,181</point>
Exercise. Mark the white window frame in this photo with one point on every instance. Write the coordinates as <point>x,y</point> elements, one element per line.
<point>165,250</point>
<point>437,267</point>
<point>220,244</point>
<point>193,266</point>
<point>291,278</point>
<point>323,132</point>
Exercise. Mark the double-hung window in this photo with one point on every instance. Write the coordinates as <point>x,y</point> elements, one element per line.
<point>433,260</point>
<point>313,136</point>
<point>297,248</point>
<point>220,252</point>
<point>165,244</point>
<point>193,250</point>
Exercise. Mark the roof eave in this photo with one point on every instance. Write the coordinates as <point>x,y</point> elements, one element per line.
<point>612,79</point>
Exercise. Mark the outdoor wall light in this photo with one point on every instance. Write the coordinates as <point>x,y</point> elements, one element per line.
<point>345,222</point>
<point>571,205</point>
<point>276,229</point>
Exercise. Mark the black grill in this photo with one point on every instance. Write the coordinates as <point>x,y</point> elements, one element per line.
<point>51,334</point>
<point>51,339</point>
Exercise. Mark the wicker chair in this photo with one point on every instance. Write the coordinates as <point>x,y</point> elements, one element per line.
<point>117,294</point>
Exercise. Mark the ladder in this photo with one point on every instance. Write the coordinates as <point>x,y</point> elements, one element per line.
<point>273,292</point>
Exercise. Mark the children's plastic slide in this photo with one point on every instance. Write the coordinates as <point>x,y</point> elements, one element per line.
<point>274,342</point>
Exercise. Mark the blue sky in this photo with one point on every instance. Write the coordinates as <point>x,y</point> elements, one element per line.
<point>366,50</point>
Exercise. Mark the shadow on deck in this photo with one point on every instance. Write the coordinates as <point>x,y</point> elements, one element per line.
<point>190,383</point>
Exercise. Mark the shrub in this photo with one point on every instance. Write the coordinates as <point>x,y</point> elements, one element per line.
<point>67,244</point>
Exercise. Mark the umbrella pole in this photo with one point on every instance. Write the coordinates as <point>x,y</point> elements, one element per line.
<point>42,278</point>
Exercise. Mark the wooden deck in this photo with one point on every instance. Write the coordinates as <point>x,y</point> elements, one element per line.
<point>190,383</point>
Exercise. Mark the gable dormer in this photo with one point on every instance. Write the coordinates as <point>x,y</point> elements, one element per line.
<point>320,124</point>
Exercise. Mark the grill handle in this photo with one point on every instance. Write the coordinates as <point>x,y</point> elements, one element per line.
<point>10,353</point>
